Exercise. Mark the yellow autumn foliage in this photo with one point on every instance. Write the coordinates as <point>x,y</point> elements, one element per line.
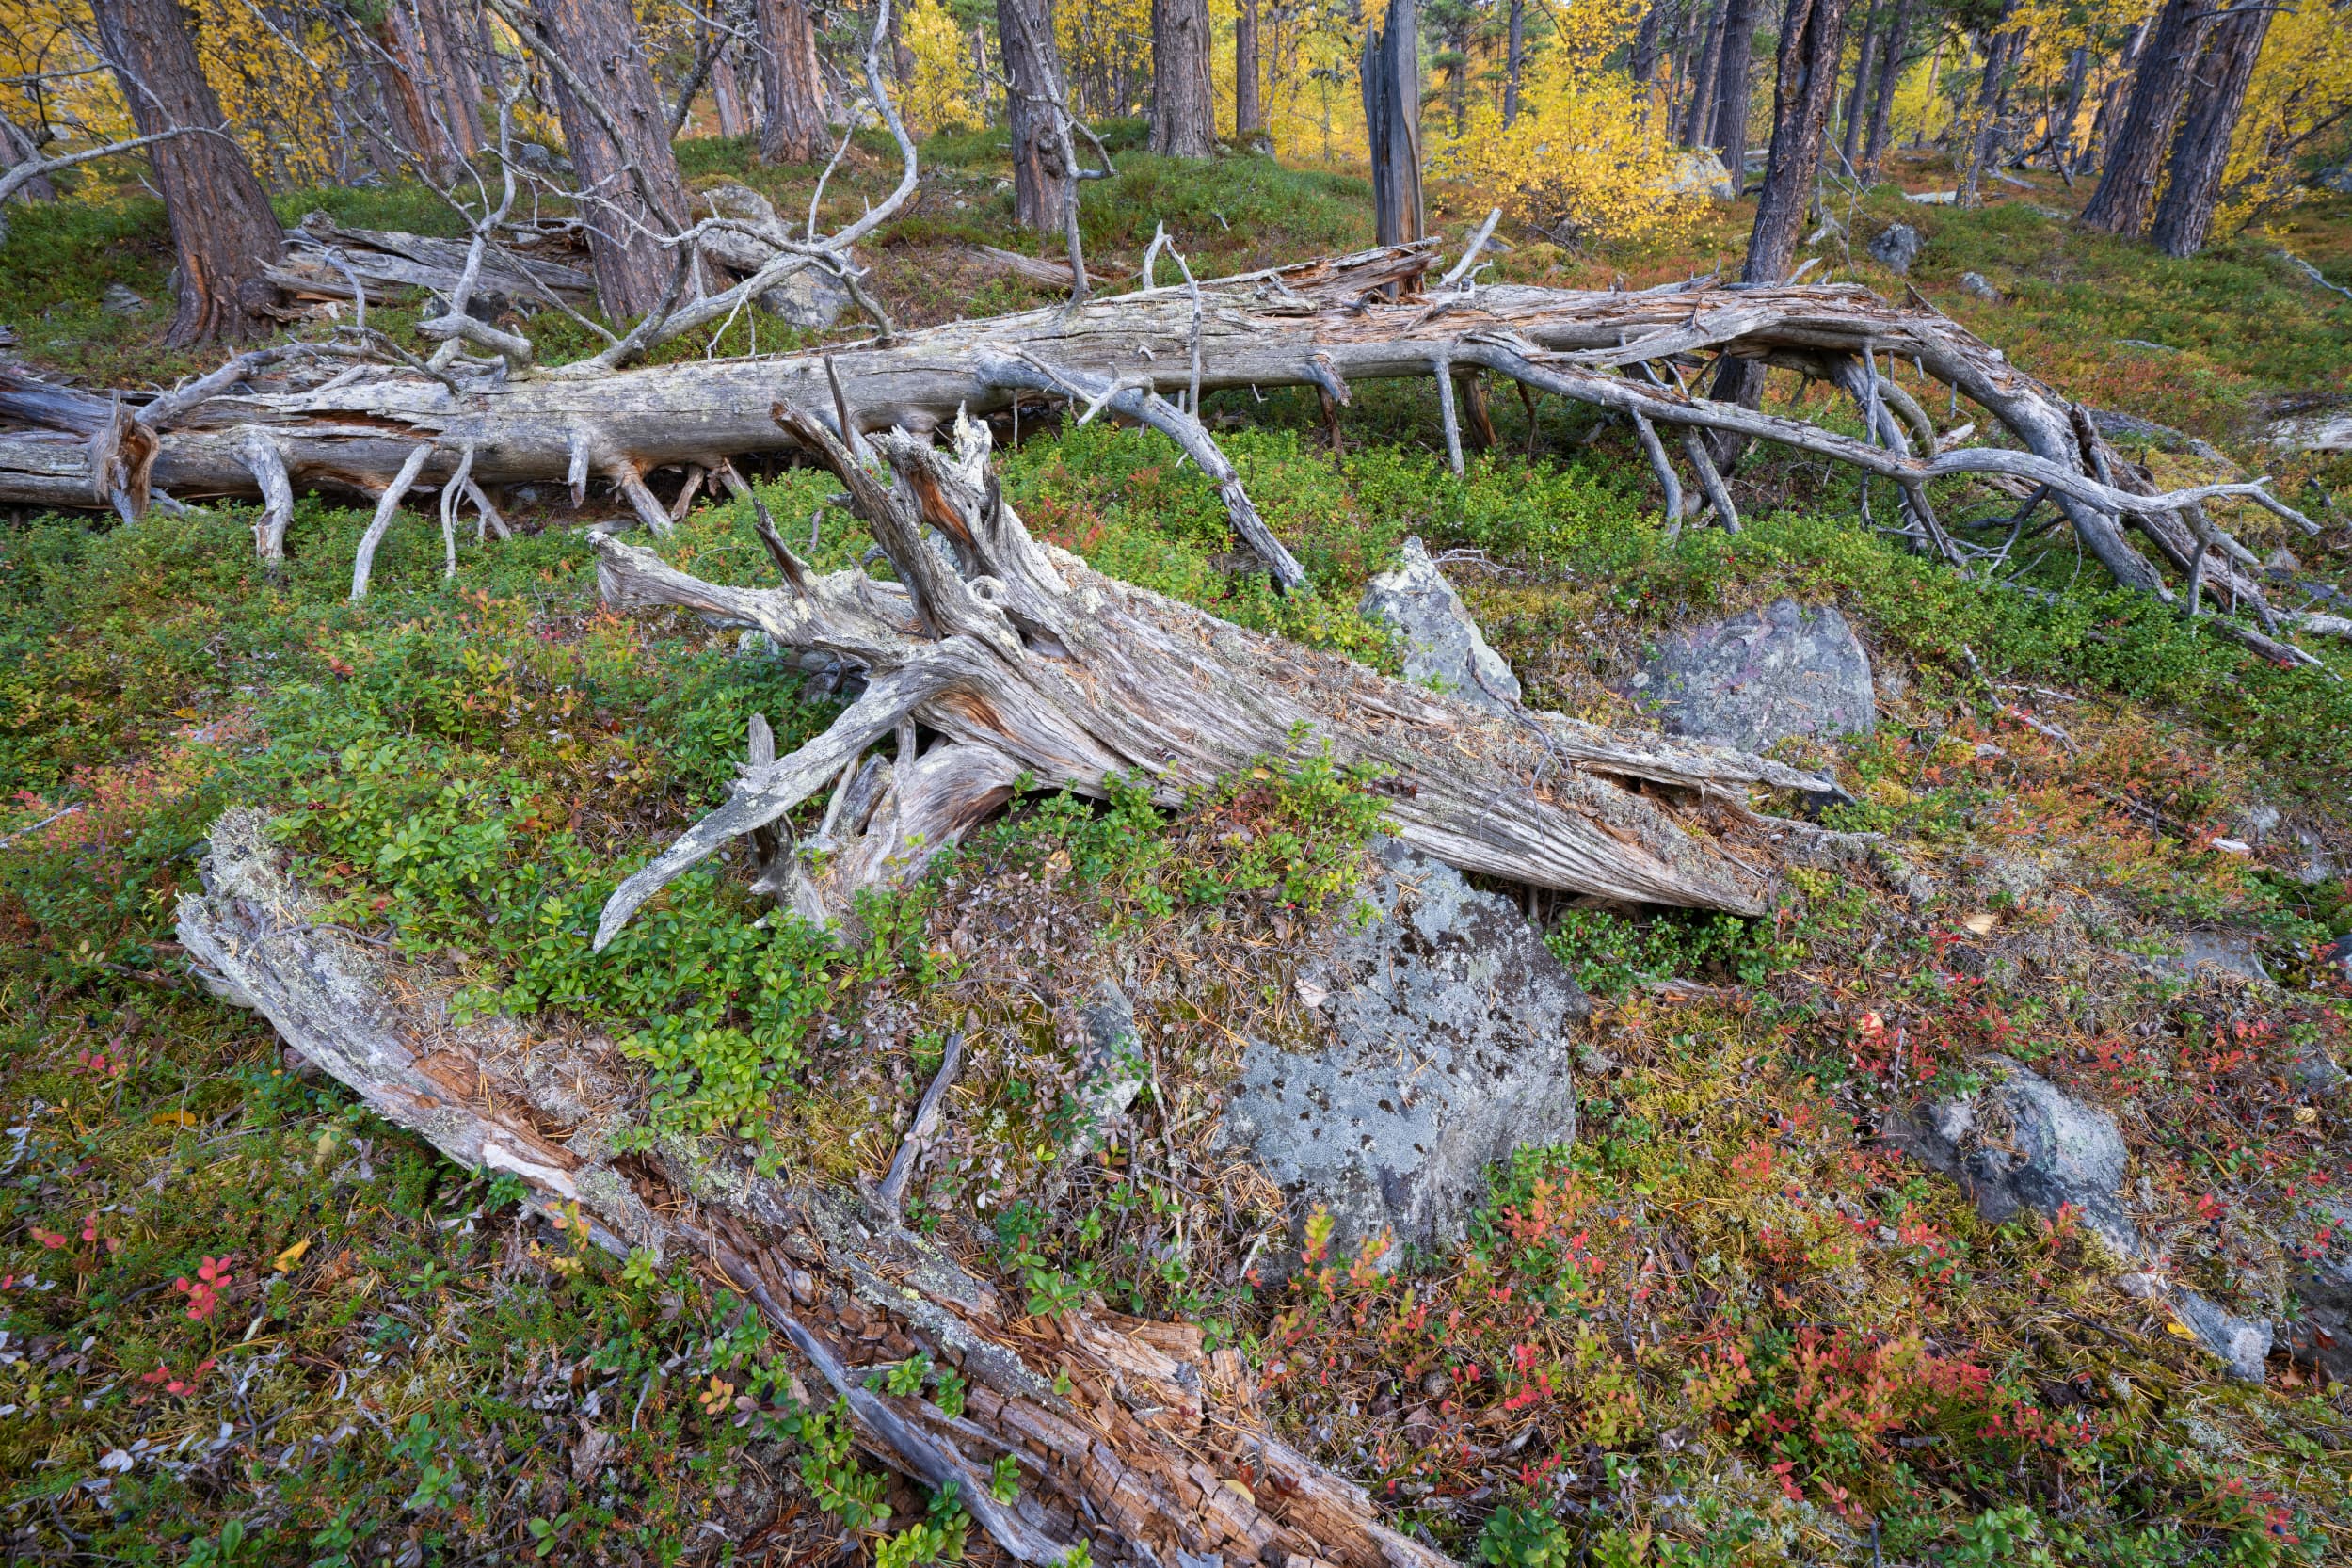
<point>944,90</point>
<point>1587,158</point>
<point>2302,85</point>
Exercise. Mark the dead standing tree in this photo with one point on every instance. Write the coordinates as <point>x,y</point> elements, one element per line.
<point>1392,116</point>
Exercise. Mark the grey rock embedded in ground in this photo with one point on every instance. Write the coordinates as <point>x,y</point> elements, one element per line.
<point>1109,1064</point>
<point>1452,1046</point>
<point>2023,1143</point>
<point>119,301</point>
<point>2314,1070</point>
<point>1976,283</point>
<point>2131,427</point>
<point>2240,1344</point>
<point>1442,645</point>
<point>811,298</point>
<point>2321,1333</point>
<point>2329,432</point>
<point>1897,246</point>
<point>1786,670</point>
<point>2205,953</point>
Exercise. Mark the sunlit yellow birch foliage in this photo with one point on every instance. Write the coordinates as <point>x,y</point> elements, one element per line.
<point>2299,104</point>
<point>1586,159</point>
<point>278,75</point>
<point>942,91</point>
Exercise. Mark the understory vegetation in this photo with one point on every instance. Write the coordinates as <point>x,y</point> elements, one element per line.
<point>245,1320</point>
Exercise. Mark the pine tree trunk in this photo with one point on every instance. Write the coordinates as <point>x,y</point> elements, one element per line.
<point>1805,90</point>
<point>2127,185</point>
<point>1992,94</point>
<point>449,41</point>
<point>1804,86</point>
<point>1392,119</point>
<point>1890,77</point>
<point>1732,90</point>
<point>1458,72</point>
<point>1514,60</point>
<point>727,93</point>
<point>2062,134</point>
<point>1039,175</point>
<point>791,107</point>
<point>1644,63</point>
<point>2111,100</point>
<point>404,81</point>
<point>2201,154</point>
<point>1701,116</point>
<point>1249,105</point>
<point>637,194</point>
<point>222,228</point>
<point>1183,112</point>
<point>1865,60</point>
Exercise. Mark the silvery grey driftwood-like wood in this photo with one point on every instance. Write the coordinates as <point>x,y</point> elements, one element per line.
<point>1015,658</point>
<point>1325,324</point>
<point>1127,1431</point>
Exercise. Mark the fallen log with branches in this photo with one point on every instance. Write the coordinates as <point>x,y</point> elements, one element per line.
<point>1148,357</point>
<point>1017,660</point>
<point>1125,1432</point>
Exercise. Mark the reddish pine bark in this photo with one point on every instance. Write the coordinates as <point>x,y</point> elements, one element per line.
<point>221,224</point>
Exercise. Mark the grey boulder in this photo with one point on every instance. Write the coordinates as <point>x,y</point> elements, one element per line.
<point>2202,953</point>
<point>811,299</point>
<point>2025,1143</point>
<point>1976,283</point>
<point>1450,1047</point>
<point>1897,246</point>
<point>2240,1344</point>
<point>1788,670</point>
<point>1443,646</point>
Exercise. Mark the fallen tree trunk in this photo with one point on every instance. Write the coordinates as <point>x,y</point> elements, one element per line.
<point>1017,659</point>
<point>1323,324</point>
<point>327,261</point>
<point>1125,1432</point>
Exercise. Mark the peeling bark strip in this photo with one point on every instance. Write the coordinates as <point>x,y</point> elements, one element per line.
<point>1025,660</point>
<point>1145,1454</point>
<point>1322,324</point>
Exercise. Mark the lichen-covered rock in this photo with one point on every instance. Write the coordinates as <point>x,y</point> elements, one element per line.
<point>2205,953</point>
<point>1110,1063</point>
<point>1450,1047</point>
<point>2320,1334</point>
<point>2023,1143</point>
<point>1788,670</point>
<point>811,298</point>
<point>1897,246</point>
<point>2240,1344</point>
<point>1443,646</point>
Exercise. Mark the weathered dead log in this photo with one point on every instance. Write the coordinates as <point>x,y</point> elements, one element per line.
<point>1323,324</point>
<point>1015,658</point>
<point>1150,1449</point>
<point>390,266</point>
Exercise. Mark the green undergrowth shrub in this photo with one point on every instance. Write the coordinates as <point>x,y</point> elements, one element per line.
<point>1610,952</point>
